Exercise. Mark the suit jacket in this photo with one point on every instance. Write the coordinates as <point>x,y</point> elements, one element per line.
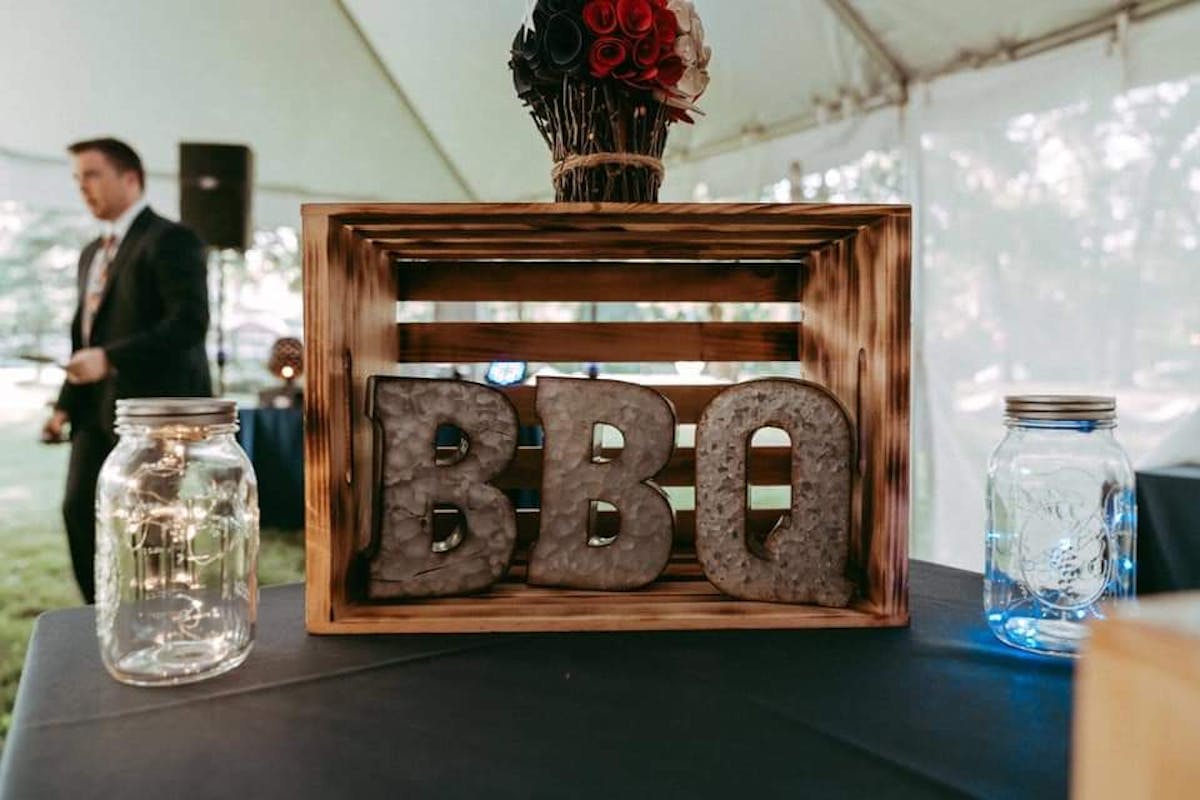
<point>152,322</point>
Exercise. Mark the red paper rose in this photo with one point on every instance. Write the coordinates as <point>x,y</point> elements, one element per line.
<point>600,17</point>
<point>606,55</point>
<point>635,17</point>
<point>665,27</point>
<point>645,51</point>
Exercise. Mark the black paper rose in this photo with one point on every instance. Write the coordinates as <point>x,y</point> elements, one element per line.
<point>555,45</point>
<point>563,43</point>
<point>529,44</point>
<point>562,6</point>
<point>522,73</point>
<point>531,62</point>
<point>521,62</point>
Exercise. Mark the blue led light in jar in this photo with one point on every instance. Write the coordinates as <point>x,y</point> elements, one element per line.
<point>1061,522</point>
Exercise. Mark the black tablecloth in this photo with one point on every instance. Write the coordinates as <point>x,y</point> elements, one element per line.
<point>1168,529</point>
<point>938,709</point>
<point>273,438</point>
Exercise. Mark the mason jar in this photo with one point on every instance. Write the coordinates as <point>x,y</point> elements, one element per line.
<point>176,543</point>
<point>1061,521</point>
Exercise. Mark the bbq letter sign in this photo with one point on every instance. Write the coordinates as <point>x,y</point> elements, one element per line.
<point>802,559</point>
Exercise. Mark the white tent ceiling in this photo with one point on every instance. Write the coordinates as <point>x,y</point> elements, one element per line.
<point>411,99</point>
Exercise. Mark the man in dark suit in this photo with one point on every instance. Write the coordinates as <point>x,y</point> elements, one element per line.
<point>138,331</point>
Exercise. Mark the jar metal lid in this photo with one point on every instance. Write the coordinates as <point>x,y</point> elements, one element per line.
<point>1060,407</point>
<point>155,411</point>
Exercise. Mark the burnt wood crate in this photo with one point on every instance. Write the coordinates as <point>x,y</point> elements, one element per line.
<point>847,266</point>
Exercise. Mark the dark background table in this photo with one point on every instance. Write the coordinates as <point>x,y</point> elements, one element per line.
<point>1168,529</point>
<point>273,438</point>
<point>938,709</point>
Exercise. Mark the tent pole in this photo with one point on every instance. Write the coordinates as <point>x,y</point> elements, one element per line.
<point>873,45</point>
<point>402,96</point>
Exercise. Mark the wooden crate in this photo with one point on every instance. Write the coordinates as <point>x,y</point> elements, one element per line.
<point>847,265</point>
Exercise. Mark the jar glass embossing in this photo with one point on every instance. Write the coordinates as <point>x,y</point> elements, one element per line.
<point>177,543</point>
<point>1061,521</point>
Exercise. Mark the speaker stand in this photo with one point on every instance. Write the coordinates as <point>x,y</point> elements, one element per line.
<point>217,260</point>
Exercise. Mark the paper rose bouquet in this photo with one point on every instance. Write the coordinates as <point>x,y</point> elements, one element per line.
<point>602,80</point>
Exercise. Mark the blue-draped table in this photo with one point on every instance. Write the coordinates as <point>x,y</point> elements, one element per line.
<point>273,438</point>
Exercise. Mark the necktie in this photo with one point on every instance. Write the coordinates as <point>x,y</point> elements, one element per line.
<point>97,278</point>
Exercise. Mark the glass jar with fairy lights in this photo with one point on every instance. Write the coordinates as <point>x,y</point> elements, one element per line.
<point>177,543</point>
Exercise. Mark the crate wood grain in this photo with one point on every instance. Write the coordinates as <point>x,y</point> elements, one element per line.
<point>846,266</point>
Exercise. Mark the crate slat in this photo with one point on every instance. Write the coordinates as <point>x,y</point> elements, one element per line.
<point>442,342</point>
<point>769,466</point>
<point>697,249</point>
<point>518,607</point>
<point>541,218</point>
<point>717,282</point>
<point>607,523</point>
<point>689,400</point>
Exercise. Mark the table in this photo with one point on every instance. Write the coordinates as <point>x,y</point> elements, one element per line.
<point>1168,545</point>
<point>273,438</point>
<point>938,709</point>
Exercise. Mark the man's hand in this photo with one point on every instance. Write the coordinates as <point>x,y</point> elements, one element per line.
<point>52,431</point>
<point>87,366</point>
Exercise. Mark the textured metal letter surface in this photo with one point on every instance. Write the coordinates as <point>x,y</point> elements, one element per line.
<point>803,559</point>
<point>410,483</point>
<point>572,480</point>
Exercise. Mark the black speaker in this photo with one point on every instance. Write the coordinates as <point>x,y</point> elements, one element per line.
<point>215,181</point>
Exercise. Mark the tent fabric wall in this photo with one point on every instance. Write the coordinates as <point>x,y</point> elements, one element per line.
<point>1060,201</point>
<point>743,173</point>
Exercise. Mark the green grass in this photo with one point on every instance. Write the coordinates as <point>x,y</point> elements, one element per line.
<point>36,574</point>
